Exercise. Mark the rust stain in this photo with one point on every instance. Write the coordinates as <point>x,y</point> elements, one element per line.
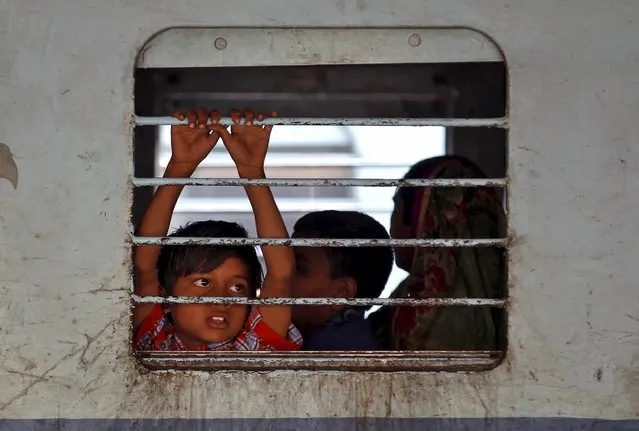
<point>323,242</point>
<point>350,182</point>
<point>501,122</point>
<point>425,302</point>
<point>391,361</point>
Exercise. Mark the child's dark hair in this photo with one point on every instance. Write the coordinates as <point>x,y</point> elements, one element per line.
<point>177,261</point>
<point>370,267</point>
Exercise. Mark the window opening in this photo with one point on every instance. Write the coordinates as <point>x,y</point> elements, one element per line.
<point>339,152</point>
<point>334,148</point>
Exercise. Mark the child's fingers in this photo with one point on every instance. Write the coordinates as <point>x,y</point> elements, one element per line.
<point>248,116</point>
<point>260,118</point>
<point>235,116</point>
<point>192,116</point>
<point>220,130</point>
<point>215,117</point>
<point>269,128</point>
<point>179,115</point>
<point>202,117</point>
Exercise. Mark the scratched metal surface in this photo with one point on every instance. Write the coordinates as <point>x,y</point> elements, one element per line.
<point>301,182</point>
<point>321,242</point>
<point>324,361</point>
<point>444,122</point>
<point>428,302</point>
<point>66,82</point>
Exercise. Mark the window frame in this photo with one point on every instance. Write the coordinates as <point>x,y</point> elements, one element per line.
<point>467,46</point>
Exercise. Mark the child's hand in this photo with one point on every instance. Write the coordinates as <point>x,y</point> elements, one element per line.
<point>247,143</point>
<point>190,144</point>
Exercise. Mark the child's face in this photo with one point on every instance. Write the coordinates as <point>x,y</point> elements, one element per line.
<point>198,325</point>
<point>313,280</point>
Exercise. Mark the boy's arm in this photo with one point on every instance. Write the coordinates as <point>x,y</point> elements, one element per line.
<point>189,146</point>
<point>280,260</point>
<point>155,222</point>
<point>247,145</point>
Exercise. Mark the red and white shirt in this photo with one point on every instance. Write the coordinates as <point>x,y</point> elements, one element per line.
<point>157,332</point>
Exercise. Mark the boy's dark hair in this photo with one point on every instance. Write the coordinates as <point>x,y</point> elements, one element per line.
<point>370,267</point>
<point>177,261</point>
<point>407,194</point>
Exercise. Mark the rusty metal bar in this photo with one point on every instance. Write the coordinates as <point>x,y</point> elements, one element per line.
<point>320,242</point>
<point>411,302</point>
<point>388,361</point>
<point>310,121</point>
<point>328,182</point>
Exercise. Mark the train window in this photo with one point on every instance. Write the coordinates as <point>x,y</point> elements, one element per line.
<point>349,137</point>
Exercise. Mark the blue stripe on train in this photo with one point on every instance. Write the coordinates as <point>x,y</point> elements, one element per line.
<point>316,424</point>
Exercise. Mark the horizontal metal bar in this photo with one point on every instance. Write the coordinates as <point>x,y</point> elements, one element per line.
<point>321,242</point>
<point>328,182</point>
<point>385,361</point>
<point>411,302</point>
<point>290,121</point>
